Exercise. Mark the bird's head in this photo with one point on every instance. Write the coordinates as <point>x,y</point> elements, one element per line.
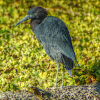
<point>35,13</point>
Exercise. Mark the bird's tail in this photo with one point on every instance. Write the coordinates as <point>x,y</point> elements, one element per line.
<point>70,73</point>
<point>68,63</point>
<point>69,70</point>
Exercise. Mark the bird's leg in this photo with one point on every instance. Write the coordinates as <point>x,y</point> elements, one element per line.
<point>58,65</point>
<point>69,72</point>
<point>63,77</point>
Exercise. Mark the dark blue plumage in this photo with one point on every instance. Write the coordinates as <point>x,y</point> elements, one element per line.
<point>54,36</point>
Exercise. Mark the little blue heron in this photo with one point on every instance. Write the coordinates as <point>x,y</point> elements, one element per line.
<point>54,36</point>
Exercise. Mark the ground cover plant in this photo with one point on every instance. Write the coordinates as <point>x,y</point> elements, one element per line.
<point>23,61</point>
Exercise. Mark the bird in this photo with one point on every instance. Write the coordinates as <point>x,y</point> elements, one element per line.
<point>53,34</point>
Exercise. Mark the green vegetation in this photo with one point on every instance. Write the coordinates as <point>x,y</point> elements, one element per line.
<point>23,61</point>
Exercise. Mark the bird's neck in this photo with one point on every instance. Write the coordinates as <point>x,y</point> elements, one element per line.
<point>35,23</point>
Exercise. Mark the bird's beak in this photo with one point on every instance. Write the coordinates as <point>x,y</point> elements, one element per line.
<point>24,19</point>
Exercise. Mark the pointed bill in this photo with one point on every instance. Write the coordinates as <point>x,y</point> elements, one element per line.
<point>24,19</point>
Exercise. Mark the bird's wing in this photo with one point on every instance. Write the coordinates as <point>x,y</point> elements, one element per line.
<point>55,33</point>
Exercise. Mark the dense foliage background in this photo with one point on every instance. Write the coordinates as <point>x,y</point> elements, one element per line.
<point>23,61</point>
